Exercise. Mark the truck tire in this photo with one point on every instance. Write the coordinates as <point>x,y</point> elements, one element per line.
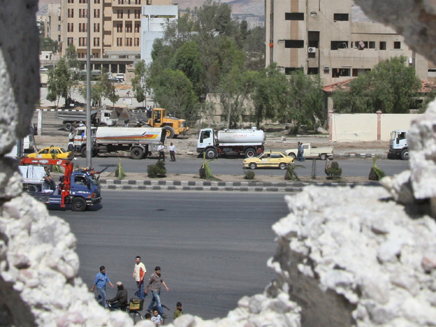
<point>252,165</point>
<point>102,125</point>
<point>210,153</point>
<point>67,126</point>
<point>78,204</point>
<point>323,156</point>
<point>250,153</point>
<point>169,131</point>
<point>83,152</point>
<point>137,153</point>
<point>405,154</point>
<point>282,166</point>
<point>292,155</point>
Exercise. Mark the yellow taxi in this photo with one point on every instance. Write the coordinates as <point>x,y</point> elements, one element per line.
<point>52,153</point>
<point>269,159</point>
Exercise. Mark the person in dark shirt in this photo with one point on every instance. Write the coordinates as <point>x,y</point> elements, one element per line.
<point>120,299</point>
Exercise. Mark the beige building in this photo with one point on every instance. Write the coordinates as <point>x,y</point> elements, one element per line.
<point>332,38</point>
<point>52,26</point>
<point>115,31</point>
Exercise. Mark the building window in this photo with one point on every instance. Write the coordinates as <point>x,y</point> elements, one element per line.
<point>397,45</point>
<point>371,44</point>
<point>312,71</point>
<point>137,2</point>
<point>360,71</point>
<point>340,72</point>
<point>129,42</point>
<point>69,40</point>
<point>294,43</point>
<point>96,1</point>
<point>120,27</point>
<point>340,17</point>
<point>119,13</point>
<point>70,27</point>
<point>96,13</point>
<point>138,13</point>
<point>70,1</point>
<point>311,55</point>
<point>136,41</point>
<point>96,42</point>
<point>128,13</point>
<point>137,27</point>
<point>128,27</point>
<point>289,70</point>
<point>382,45</point>
<point>83,13</point>
<point>71,13</point>
<point>96,27</point>
<point>119,42</point>
<point>83,1</point>
<point>335,45</point>
<point>120,2</point>
<point>82,41</point>
<point>294,16</point>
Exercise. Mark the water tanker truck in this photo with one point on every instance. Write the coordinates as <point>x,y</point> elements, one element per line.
<point>139,141</point>
<point>247,142</point>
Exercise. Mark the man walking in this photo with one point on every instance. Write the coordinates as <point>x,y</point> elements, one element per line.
<point>161,150</point>
<point>301,151</point>
<point>172,149</point>
<point>101,279</point>
<point>139,274</point>
<point>155,282</point>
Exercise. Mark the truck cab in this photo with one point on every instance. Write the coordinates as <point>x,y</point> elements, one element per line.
<point>398,147</point>
<point>205,142</point>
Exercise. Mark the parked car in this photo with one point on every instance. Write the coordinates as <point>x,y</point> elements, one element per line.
<point>312,152</point>
<point>51,153</point>
<point>268,159</point>
<point>120,77</point>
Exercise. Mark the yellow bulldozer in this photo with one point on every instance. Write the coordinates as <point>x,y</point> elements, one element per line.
<point>173,126</point>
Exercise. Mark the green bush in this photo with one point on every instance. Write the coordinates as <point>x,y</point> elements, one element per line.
<point>334,171</point>
<point>376,173</point>
<point>249,174</point>
<point>157,170</point>
<point>290,174</point>
<point>205,172</point>
<point>119,172</point>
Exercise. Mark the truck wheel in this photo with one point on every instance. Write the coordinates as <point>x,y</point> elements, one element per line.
<point>78,204</point>
<point>405,154</point>
<point>282,166</point>
<point>137,153</point>
<point>292,155</point>
<point>169,131</point>
<point>83,152</point>
<point>252,165</point>
<point>250,153</point>
<point>67,126</point>
<point>210,153</point>
<point>323,156</point>
<point>102,125</point>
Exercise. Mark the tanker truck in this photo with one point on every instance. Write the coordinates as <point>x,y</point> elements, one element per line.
<point>247,142</point>
<point>139,141</point>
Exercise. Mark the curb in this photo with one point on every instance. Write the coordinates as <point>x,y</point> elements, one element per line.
<point>361,155</point>
<point>141,185</point>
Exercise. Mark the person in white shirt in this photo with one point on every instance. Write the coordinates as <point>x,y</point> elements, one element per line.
<point>161,150</point>
<point>139,272</point>
<point>172,149</point>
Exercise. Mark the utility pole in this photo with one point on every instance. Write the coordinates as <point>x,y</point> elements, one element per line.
<point>88,91</point>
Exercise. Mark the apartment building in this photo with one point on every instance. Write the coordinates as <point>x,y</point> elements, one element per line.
<point>332,38</point>
<point>115,31</point>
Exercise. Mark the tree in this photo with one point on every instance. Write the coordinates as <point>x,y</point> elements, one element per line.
<point>174,91</point>
<point>270,94</point>
<point>138,82</point>
<point>71,57</point>
<point>108,89</point>
<point>305,99</point>
<point>96,92</point>
<point>47,44</point>
<point>389,87</point>
<point>59,81</point>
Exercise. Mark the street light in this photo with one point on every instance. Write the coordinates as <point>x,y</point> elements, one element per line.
<point>88,91</point>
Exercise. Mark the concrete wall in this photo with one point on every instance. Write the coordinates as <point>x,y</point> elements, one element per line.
<point>367,127</point>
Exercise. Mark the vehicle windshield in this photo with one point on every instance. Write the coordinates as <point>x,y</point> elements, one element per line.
<point>393,135</point>
<point>63,150</point>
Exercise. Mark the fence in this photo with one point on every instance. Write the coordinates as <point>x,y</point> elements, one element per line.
<point>366,127</point>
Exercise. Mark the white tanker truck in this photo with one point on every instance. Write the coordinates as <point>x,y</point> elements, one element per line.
<point>139,141</point>
<point>248,142</point>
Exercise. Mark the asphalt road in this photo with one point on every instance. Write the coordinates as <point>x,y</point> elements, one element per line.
<point>233,166</point>
<point>212,248</point>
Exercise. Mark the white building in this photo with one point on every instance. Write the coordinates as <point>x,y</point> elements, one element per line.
<point>153,25</point>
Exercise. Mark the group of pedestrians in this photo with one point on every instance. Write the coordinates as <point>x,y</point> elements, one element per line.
<point>120,301</point>
<point>171,150</point>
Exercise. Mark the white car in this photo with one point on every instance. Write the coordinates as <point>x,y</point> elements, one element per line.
<point>312,152</point>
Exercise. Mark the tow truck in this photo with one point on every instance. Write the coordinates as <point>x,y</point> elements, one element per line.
<point>78,189</point>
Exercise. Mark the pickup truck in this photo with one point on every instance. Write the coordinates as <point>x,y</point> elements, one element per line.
<point>312,152</point>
